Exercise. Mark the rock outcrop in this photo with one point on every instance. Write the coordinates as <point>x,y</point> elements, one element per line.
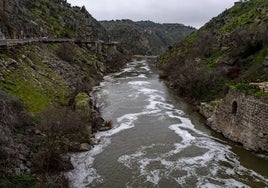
<point>53,19</point>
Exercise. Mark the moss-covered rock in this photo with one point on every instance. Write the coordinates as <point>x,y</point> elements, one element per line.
<point>82,101</point>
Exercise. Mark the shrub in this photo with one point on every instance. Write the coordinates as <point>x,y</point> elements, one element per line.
<point>66,51</point>
<point>62,121</point>
<point>12,112</point>
<point>58,126</point>
<point>245,87</point>
<point>108,123</point>
<point>25,180</point>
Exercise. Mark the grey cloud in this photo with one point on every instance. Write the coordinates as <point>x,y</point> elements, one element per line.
<point>188,12</point>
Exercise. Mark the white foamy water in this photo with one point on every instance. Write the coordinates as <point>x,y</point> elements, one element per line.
<point>154,143</point>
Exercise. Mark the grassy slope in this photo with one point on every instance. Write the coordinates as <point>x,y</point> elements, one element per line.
<point>39,83</point>
<point>28,72</point>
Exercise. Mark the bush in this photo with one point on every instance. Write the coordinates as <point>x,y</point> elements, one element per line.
<point>250,89</point>
<point>62,121</point>
<point>108,123</point>
<point>245,87</point>
<point>12,112</point>
<point>25,180</point>
<point>12,118</point>
<point>66,51</point>
<point>58,126</point>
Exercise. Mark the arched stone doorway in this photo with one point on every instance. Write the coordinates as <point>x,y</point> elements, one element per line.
<point>234,108</point>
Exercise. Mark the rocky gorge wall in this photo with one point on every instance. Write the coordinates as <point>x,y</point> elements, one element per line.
<point>50,18</point>
<point>242,118</point>
<point>46,109</point>
<point>44,91</point>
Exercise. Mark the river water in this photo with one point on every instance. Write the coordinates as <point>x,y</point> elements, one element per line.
<point>159,141</point>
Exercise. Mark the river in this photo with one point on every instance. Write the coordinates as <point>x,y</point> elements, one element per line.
<point>158,140</point>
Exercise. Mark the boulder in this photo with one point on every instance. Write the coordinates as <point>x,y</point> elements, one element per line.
<point>94,141</point>
<point>66,164</point>
<point>85,147</point>
<point>78,147</point>
<point>74,147</point>
<point>265,62</point>
<point>104,128</point>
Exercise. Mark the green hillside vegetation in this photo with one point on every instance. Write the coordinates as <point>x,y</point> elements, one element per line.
<point>145,37</point>
<point>32,78</point>
<point>230,49</point>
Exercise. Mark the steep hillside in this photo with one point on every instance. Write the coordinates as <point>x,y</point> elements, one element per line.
<point>47,18</point>
<point>231,50</point>
<point>145,37</point>
<point>46,109</point>
<point>45,104</point>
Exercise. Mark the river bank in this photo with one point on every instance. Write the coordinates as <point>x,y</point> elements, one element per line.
<point>158,140</point>
<point>46,109</point>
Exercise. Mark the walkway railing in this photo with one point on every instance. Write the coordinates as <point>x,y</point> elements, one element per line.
<point>15,42</point>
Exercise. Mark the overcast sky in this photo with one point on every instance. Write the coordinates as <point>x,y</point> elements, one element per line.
<point>188,12</point>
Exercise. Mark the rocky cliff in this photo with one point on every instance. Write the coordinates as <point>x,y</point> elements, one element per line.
<point>45,104</point>
<point>229,52</point>
<point>48,18</point>
<point>145,37</point>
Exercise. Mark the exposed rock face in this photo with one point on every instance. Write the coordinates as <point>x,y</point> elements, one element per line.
<point>48,78</point>
<point>52,18</point>
<point>243,118</point>
<point>40,76</point>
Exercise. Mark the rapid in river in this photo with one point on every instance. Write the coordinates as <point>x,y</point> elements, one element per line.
<point>158,140</point>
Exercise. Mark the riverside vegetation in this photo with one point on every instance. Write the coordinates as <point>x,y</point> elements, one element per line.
<point>231,50</point>
<point>223,67</point>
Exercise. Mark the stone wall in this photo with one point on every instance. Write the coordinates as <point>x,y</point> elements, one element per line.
<point>243,118</point>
